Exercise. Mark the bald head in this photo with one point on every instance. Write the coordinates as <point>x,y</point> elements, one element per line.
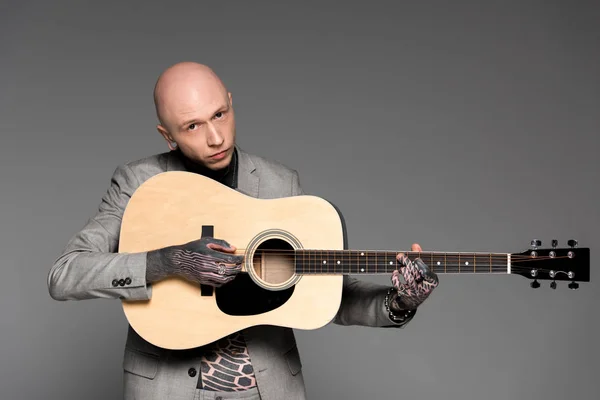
<point>186,85</point>
<point>196,114</point>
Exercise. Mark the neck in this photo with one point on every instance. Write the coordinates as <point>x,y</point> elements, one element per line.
<point>224,175</point>
<point>376,262</point>
<point>194,166</point>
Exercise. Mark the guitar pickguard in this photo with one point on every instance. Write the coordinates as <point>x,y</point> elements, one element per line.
<point>243,296</point>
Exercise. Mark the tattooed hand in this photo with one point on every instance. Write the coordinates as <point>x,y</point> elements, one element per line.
<point>207,261</point>
<point>419,282</point>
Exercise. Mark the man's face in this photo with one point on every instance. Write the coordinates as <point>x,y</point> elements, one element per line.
<point>203,126</point>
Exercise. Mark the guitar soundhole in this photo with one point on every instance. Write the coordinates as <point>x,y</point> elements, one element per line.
<point>273,261</point>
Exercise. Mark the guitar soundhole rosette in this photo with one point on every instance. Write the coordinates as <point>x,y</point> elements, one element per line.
<point>270,259</point>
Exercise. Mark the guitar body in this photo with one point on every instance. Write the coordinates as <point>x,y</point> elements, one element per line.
<point>176,207</point>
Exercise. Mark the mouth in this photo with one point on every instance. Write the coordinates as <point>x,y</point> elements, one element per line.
<point>219,155</point>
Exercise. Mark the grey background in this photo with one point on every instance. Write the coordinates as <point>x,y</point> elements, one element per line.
<point>464,126</point>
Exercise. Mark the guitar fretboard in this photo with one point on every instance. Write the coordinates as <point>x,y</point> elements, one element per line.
<point>376,262</point>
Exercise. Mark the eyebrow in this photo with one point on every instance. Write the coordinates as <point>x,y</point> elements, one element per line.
<point>192,120</point>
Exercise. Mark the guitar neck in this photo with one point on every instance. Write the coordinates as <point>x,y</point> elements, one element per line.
<point>384,262</point>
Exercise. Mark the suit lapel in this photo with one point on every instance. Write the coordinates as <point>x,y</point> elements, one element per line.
<point>248,180</point>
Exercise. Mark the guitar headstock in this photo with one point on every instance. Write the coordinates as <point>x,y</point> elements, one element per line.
<point>553,264</point>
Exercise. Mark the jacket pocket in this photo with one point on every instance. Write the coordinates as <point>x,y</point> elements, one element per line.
<point>141,364</point>
<point>293,360</point>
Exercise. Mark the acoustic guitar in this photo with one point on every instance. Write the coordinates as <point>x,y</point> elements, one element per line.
<point>295,257</point>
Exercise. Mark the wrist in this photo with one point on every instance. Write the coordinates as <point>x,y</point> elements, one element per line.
<point>397,312</point>
<point>158,265</point>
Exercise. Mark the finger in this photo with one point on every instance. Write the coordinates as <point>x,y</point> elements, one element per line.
<point>226,257</point>
<point>409,272</point>
<point>406,292</point>
<point>420,270</point>
<point>219,242</point>
<point>223,250</point>
<point>233,259</point>
<point>219,247</point>
<point>425,272</point>
<point>402,260</point>
<point>408,269</point>
<point>430,276</point>
<point>432,279</point>
<point>222,242</point>
<point>416,247</point>
<point>396,278</point>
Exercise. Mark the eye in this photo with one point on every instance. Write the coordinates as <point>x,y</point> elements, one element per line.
<point>218,115</point>
<point>191,126</point>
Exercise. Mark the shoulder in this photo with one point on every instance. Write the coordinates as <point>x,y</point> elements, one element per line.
<point>266,166</point>
<point>134,173</point>
<point>277,178</point>
<point>151,164</point>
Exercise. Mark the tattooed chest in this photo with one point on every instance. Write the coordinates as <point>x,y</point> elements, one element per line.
<point>227,367</point>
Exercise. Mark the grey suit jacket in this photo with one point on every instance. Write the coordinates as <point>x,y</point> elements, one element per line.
<point>90,267</point>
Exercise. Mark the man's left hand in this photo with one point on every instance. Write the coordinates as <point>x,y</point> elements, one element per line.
<point>419,282</point>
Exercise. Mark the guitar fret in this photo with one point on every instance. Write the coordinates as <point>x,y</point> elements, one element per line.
<point>376,262</point>
<point>362,261</point>
<point>370,260</point>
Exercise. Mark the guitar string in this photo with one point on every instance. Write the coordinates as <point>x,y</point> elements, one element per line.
<point>455,267</point>
<point>351,271</point>
<point>423,255</point>
<point>449,257</point>
<point>412,252</point>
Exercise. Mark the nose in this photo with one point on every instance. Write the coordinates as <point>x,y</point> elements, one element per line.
<point>213,136</point>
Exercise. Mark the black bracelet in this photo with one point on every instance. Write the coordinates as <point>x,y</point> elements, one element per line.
<point>392,316</point>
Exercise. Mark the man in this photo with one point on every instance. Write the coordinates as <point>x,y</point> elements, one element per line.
<point>197,120</point>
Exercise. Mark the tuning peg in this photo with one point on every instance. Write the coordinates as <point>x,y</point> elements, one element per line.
<point>554,243</point>
<point>573,285</point>
<point>535,243</point>
<point>553,284</point>
<point>572,243</point>
<point>535,284</point>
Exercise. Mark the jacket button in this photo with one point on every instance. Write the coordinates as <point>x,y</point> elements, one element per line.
<point>127,281</point>
<point>192,372</point>
<point>121,282</point>
<point>115,282</point>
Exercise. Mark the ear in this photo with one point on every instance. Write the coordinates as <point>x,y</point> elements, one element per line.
<point>167,136</point>
<point>230,101</point>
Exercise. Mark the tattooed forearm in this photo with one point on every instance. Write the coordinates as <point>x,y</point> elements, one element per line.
<point>195,261</point>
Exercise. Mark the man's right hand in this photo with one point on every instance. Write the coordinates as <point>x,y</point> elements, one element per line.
<point>206,261</point>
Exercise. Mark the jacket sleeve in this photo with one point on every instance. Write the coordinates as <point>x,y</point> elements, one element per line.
<point>90,265</point>
<point>363,303</point>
